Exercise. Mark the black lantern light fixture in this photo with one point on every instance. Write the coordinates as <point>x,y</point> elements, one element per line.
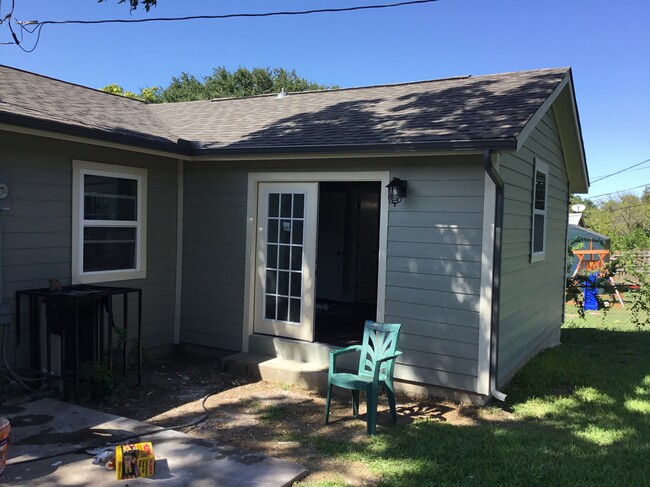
<point>396,190</point>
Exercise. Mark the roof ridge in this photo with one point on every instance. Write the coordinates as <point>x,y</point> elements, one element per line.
<point>383,85</point>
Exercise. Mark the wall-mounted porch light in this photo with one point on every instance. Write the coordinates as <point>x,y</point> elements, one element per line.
<point>396,190</point>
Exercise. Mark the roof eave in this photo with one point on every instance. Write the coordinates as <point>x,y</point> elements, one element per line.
<point>562,102</point>
<point>179,147</point>
<point>391,147</point>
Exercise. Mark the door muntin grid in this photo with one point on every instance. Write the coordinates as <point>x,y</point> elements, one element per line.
<point>284,257</point>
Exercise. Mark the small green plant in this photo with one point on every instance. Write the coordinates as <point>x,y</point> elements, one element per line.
<point>637,273</point>
<point>97,382</point>
<point>273,413</point>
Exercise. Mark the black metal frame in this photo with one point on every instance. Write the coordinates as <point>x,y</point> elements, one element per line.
<point>100,298</point>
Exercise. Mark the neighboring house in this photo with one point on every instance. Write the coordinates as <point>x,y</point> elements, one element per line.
<point>262,224</point>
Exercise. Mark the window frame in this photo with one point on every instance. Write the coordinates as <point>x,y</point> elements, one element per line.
<point>81,169</point>
<point>541,167</point>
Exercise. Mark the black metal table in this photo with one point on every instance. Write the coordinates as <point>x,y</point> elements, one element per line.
<point>90,306</point>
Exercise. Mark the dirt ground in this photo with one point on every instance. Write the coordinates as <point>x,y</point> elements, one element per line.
<point>263,417</point>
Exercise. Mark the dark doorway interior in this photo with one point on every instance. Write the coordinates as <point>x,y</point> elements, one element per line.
<point>346,262</point>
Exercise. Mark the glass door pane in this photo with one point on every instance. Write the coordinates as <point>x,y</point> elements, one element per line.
<point>284,256</point>
<point>286,259</point>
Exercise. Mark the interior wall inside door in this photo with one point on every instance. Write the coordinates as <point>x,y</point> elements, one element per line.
<point>347,260</point>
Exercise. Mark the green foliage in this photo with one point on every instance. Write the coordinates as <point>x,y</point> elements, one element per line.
<point>221,84</point>
<point>97,382</point>
<point>242,82</point>
<point>624,218</point>
<point>148,95</point>
<point>134,3</point>
<point>637,274</point>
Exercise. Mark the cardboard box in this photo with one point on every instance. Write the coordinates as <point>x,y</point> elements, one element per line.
<point>133,461</point>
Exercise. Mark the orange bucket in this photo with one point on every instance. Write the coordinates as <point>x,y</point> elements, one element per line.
<point>5,441</point>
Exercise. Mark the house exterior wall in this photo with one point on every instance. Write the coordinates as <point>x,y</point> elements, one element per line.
<point>37,230</point>
<point>433,265</point>
<point>531,293</point>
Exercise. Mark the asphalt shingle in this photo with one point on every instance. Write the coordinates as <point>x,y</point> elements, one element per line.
<point>454,110</point>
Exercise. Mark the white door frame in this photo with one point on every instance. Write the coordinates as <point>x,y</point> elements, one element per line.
<point>251,232</point>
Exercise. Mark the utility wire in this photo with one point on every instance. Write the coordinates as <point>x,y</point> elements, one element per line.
<point>231,16</point>
<point>625,207</point>
<point>619,191</point>
<point>620,171</point>
<point>38,26</point>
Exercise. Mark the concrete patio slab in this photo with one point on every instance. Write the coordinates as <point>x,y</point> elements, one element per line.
<point>53,434</point>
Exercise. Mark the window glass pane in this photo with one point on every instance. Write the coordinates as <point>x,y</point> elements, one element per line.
<point>296,236</point>
<point>274,204</point>
<point>294,310</point>
<point>298,205</point>
<point>109,248</point>
<point>283,309</point>
<point>110,198</point>
<point>283,283</point>
<point>296,284</point>
<point>284,257</point>
<point>272,256</point>
<point>285,231</point>
<point>538,233</point>
<point>269,311</point>
<point>272,231</point>
<point>285,206</point>
<point>296,258</point>
<point>271,282</point>
<point>540,190</point>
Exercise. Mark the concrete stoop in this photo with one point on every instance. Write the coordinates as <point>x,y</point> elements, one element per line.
<point>274,369</point>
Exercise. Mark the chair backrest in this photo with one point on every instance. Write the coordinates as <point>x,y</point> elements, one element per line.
<point>379,341</point>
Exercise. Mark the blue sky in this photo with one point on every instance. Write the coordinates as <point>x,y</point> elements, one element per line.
<point>606,43</point>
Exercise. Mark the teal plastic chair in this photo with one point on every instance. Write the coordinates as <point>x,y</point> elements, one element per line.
<point>378,351</point>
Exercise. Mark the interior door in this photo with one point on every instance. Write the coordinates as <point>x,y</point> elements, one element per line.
<point>286,259</point>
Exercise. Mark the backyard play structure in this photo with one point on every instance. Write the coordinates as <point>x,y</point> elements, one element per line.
<point>592,261</point>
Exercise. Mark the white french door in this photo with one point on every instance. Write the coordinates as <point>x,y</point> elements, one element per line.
<point>285,262</point>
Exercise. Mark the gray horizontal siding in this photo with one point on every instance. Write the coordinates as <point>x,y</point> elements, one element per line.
<point>37,229</point>
<point>214,236</point>
<point>433,273</point>
<point>531,293</point>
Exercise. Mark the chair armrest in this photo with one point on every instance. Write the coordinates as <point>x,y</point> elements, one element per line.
<point>341,351</point>
<point>380,361</point>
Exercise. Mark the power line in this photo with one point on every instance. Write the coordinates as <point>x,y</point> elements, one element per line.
<point>240,15</point>
<point>38,26</point>
<point>619,172</point>
<point>626,207</point>
<point>619,191</point>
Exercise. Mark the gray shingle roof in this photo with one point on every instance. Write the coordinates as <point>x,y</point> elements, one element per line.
<point>460,109</point>
<point>52,103</point>
<point>470,110</point>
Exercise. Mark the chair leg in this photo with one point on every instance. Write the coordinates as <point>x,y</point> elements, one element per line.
<point>355,403</point>
<point>327,403</point>
<point>371,415</point>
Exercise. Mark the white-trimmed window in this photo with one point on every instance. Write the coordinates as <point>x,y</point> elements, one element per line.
<point>109,222</point>
<point>540,191</point>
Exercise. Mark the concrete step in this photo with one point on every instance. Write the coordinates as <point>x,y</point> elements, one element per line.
<point>280,370</point>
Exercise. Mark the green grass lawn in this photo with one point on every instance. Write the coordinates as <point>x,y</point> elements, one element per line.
<point>581,416</point>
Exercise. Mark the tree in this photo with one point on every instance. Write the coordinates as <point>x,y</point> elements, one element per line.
<point>148,95</point>
<point>244,82</point>
<point>624,218</point>
<point>222,84</point>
